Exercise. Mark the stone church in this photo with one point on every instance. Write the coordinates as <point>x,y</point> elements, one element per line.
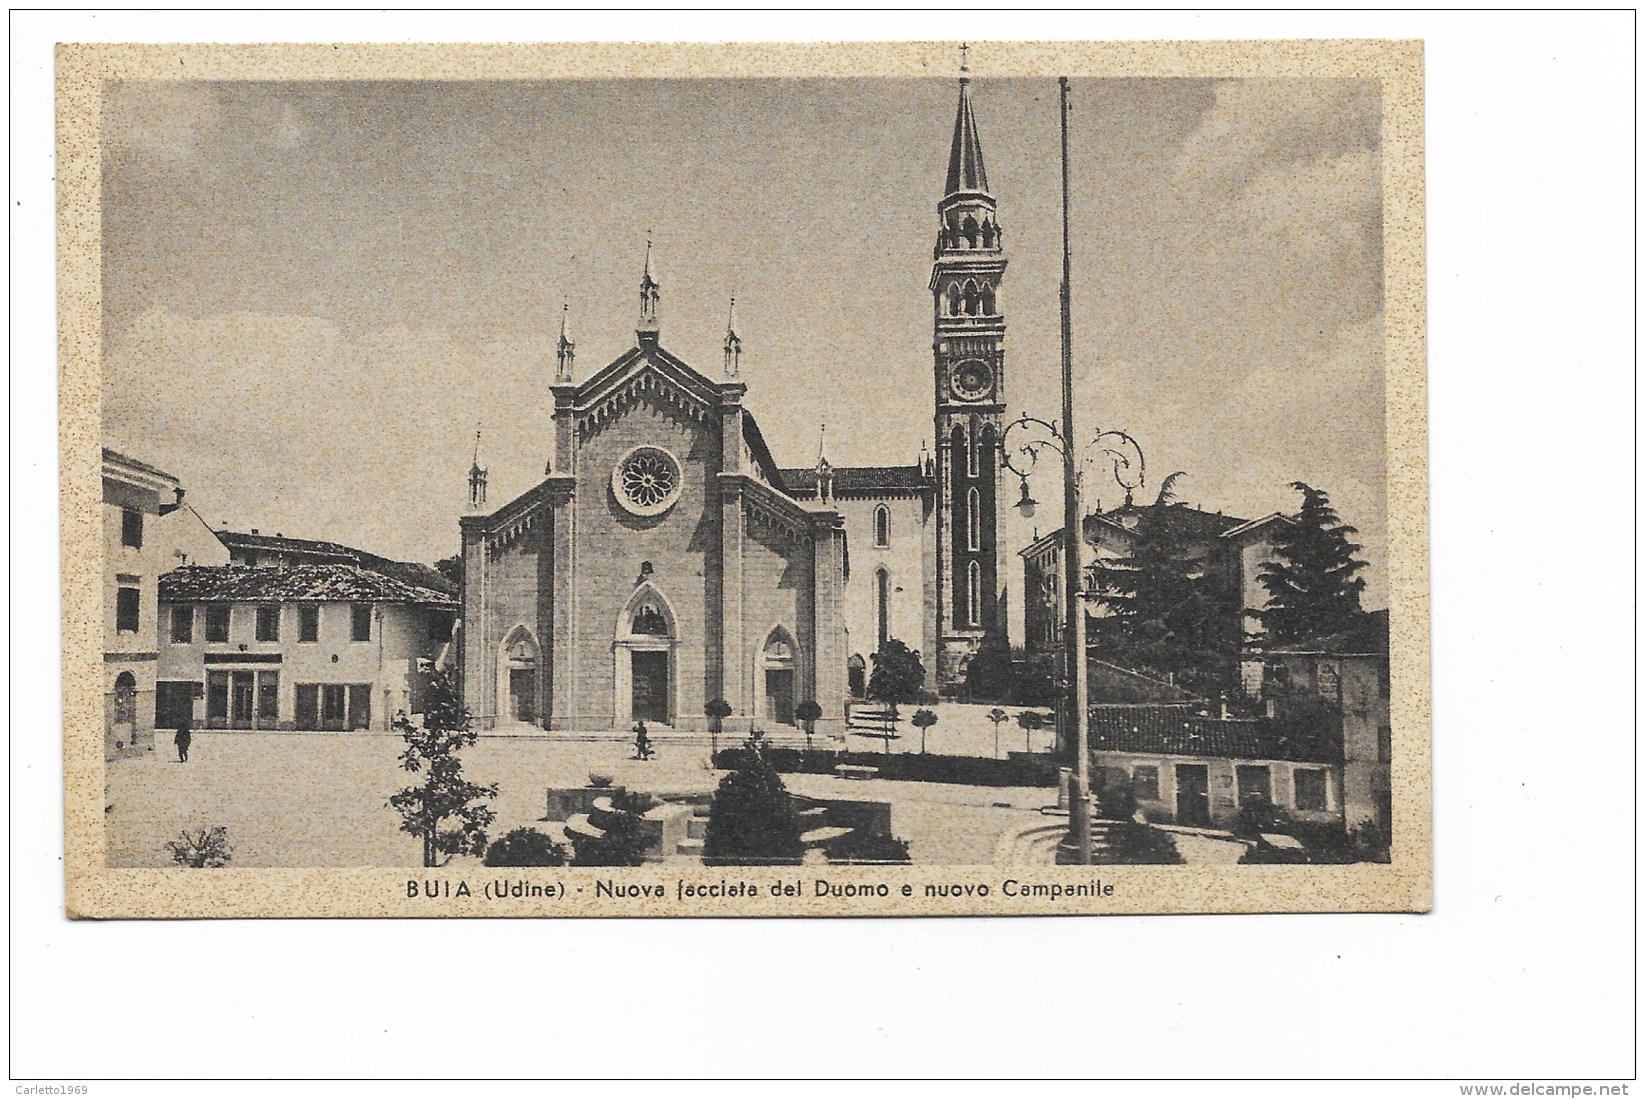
<point>665,560</point>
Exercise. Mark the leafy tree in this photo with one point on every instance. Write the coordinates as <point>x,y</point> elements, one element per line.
<point>1313,589</point>
<point>752,819</point>
<point>899,673</point>
<point>525,847</point>
<point>998,717</point>
<point>988,675</point>
<point>444,795</point>
<point>808,712</point>
<point>923,720</point>
<point>452,569</point>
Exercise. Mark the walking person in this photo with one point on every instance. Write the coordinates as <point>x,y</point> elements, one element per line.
<point>182,739</point>
<point>642,742</point>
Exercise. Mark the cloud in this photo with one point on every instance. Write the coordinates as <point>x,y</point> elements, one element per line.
<point>289,423</point>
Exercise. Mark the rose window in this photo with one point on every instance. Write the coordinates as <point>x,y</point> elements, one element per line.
<point>647,481</point>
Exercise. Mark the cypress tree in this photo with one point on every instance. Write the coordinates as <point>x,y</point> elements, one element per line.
<point>1313,586</point>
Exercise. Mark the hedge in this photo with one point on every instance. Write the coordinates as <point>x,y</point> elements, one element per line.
<point>905,766</point>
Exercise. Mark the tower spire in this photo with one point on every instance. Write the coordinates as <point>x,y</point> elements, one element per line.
<point>650,292</point>
<point>733,343</point>
<point>966,174</point>
<point>566,352</point>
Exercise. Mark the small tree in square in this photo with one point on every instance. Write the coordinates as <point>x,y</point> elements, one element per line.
<point>998,717</point>
<point>716,710</point>
<point>1030,720</point>
<point>808,712</point>
<point>444,794</point>
<point>923,719</point>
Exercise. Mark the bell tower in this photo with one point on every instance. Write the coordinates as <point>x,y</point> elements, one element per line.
<point>969,377</point>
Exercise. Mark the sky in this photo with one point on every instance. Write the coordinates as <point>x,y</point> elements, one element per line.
<point>314,292</point>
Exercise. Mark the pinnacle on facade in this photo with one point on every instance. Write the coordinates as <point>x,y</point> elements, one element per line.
<point>476,478</point>
<point>566,351</point>
<point>650,293</point>
<point>733,343</point>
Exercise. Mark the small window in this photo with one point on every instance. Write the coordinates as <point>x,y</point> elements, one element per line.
<point>127,610</point>
<point>217,619</point>
<point>973,601</point>
<point>882,605</point>
<point>1310,791</point>
<point>1145,783</point>
<point>882,526</point>
<point>362,622</point>
<point>182,625</point>
<point>973,520</point>
<point>268,623</point>
<point>131,528</point>
<point>308,623</point>
<point>1254,784</point>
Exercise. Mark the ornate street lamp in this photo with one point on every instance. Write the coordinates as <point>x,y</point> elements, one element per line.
<point>1022,443</point>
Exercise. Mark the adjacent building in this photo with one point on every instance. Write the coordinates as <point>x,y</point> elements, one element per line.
<point>147,529</point>
<point>298,635</point>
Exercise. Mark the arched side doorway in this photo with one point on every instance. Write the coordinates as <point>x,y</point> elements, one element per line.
<point>779,659</point>
<point>856,676</point>
<point>125,704</point>
<point>643,649</point>
<point>518,675</point>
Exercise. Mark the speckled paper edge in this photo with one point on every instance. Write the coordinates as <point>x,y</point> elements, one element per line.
<point>95,891</point>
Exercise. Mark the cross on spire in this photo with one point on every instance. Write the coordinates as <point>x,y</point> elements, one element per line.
<point>965,51</point>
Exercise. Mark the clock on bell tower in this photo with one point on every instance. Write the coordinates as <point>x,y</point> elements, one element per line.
<point>969,352</point>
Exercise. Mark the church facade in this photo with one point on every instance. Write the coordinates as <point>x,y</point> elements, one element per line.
<point>665,561</point>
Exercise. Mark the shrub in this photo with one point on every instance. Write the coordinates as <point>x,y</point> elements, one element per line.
<point>626,841</point>
<point>525,847</point>
<point>1136,844</point>
<point>202,850</point>
<point>909,766</point>
<point>860,846</point>
<point>923,720</point>
<point>752,819</point>
<point>1260,815</point>
<point>1115,799</point>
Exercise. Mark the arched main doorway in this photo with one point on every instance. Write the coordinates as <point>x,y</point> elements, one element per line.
<point>518,677</point>
<point>644,652</point>
<point>777,663</point>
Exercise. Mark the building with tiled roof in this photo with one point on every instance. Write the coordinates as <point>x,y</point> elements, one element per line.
<point>334,644</point>
<point>1189,765</point>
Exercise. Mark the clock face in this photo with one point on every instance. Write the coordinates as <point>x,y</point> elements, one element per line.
<point>971,380</point>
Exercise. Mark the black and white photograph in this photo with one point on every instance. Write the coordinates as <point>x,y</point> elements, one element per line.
<point>686,474</point>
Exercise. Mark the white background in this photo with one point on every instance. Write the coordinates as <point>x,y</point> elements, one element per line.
<point>1524,971</point>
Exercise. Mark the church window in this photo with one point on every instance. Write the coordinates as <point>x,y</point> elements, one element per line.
<point>988,301</point>
<point>649,621</point>
<point>973,594</point>
<point>969,228</point>
<point>882,526</point>
<point>972,301</point>
<point>647,481</point>
<point>988,234</point>
<point>953,299</point>
<point>882,605</point>
<point>972,457</point>
<point>973,520</point>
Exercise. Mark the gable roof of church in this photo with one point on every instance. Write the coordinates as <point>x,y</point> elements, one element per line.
<point>611,383</point>
<point>858,481</point>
